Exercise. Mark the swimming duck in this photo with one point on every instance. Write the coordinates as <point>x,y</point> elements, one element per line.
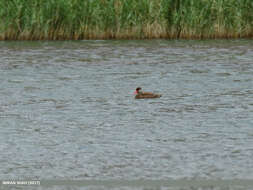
<point>141,95</point>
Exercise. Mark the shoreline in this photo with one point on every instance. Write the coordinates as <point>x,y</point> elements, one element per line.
<point>57,37</point>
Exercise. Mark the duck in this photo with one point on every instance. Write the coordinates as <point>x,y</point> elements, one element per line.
<point>141,95</point>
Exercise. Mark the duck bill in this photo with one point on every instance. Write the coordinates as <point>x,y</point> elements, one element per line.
<point>135,92</point>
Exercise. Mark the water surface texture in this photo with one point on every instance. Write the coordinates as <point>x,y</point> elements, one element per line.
<point>67,110</point>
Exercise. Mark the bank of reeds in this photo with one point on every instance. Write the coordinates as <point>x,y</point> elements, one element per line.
<point>124,19</point>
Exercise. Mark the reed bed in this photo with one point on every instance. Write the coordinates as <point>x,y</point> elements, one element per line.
<point>124,19</point>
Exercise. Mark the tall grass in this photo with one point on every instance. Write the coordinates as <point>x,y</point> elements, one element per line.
<point>109,19</point>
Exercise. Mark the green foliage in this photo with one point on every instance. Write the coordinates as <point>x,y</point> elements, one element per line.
<point>80,19</point>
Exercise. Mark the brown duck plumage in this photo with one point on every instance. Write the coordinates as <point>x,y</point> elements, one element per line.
<point>142,95</point>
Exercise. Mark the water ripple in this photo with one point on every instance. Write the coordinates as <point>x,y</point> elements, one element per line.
<point>67,110</point>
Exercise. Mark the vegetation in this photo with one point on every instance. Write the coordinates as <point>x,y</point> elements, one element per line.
<point>124,19</point>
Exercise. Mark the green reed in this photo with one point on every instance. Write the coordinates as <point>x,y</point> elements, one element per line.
<point>106,19</point>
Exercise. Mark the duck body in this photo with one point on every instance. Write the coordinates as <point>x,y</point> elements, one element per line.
<point>143,95</point>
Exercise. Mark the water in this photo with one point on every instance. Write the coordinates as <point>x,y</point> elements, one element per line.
<point>67,110</point>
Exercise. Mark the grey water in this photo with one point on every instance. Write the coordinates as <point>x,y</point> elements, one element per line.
<point>67,110</point>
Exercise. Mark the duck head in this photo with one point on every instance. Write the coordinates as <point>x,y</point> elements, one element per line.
<point>137,90</point>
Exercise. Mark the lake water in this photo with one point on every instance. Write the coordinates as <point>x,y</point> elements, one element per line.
<point>67,110</point>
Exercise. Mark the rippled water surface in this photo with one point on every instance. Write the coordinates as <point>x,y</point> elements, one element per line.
<point>67,110</point>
